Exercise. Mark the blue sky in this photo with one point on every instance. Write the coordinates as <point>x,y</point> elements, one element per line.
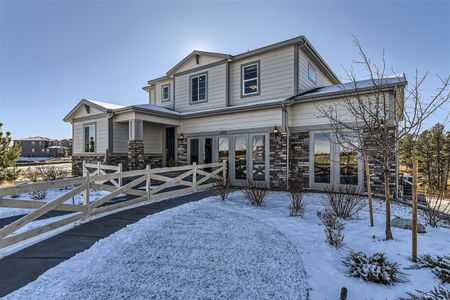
<point>55,53</point>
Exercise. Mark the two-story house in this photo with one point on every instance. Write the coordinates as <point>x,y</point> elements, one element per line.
<point>257,110</point>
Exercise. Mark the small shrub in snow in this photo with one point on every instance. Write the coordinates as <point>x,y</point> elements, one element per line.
<point>223,187</point>
<point>38,195</point>
<point>375,268</point>
<point>255,192</point>
<point>333,228</point>
<point>439,264</point>
<point>297,206</point>
<point>52,173</point>
<point>32,174</point>
<point>344,200</point>
<point>438,293</point>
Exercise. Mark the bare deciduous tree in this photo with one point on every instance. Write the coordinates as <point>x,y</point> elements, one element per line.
<point>377,120</point>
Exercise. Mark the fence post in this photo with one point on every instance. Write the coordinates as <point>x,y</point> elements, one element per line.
<point>120,178</point>
<point>369,189</point>
<point>194,176</point>
<point>86,195</point>
<point>84,168</point>
<point>224,171</point>
<point>148,187</point>
<point>98,168</point>
<point>414,210</point>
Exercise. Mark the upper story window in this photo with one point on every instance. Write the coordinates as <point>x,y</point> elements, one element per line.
<point>312,73</point>
<point>165,92</point>
<point>199,88</point>
<point>250,79</point>
<point>89,138</point>
<point>32,143</point>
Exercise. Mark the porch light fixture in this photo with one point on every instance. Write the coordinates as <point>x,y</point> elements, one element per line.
<point>181,138</point>
<point>275,130</point>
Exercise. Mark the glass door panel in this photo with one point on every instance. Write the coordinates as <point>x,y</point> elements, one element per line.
<point>224,151</point>
<point>194,144</point>
<point>207,151</point>
<point>322,158</point>
<point>240,157</point>
<point>259,157</point>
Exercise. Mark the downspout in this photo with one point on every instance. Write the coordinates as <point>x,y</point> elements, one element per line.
<point>286,128</point>
<point>110,151</point>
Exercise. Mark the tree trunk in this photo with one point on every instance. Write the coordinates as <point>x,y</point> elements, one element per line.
<point>369,189</point>
<point>388,200</point>
<point>414,212</point>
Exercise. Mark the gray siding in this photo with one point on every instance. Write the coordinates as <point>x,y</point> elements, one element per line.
<point>152,138</point>
<point>120,138</point>
<point>304,83</point>
<point>276,72</point>
<point>101,134</point>
<point>216,90</point>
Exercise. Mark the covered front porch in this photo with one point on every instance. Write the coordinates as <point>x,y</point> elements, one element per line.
<point>137,140</point>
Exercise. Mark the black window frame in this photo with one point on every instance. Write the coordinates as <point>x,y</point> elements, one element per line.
<point>95,137</point>
<point>191,86</point>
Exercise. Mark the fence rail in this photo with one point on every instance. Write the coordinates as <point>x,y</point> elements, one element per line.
<point>186,178</point>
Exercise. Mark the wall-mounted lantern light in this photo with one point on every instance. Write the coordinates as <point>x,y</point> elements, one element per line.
<point>181,138</point>
<point>275,130</point>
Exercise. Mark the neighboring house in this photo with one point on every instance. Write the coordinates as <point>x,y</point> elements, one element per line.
<point>68,144</point>
<point>38,146</point>
<point>257,110</point>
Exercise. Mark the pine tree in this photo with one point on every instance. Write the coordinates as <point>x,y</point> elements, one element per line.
<point>9,153</point>
<point>406,148</point>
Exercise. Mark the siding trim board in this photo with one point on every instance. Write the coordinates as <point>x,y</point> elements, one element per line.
<point>228,132</point>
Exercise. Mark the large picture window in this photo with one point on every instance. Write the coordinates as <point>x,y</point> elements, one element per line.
<point>198,88</point>
<point>250,79</point>
<point>240,159</point>
<point>322,158</point>
<point>348,160</point>
<point>89,138</point>
<point>259,157</point>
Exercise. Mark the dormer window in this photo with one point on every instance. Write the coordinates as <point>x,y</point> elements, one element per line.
<point>312,73</point>
<point>165,92</point>
<point>250,79</point>
<point>199,88</point>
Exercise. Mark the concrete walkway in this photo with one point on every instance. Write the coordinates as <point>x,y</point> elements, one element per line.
<point>25,266</point>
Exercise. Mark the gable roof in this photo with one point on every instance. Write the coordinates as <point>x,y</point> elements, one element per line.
<point>194,53</point>
<point>300,40</point>
<point>100,105</point>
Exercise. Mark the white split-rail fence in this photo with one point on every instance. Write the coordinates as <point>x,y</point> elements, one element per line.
<point>191,178</point>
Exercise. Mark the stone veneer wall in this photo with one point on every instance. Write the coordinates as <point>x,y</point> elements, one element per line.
<point>299,157</point>
<point>182,155</point>
<point>278,160</point>
<point>77,162</point>
<point>136,159</point>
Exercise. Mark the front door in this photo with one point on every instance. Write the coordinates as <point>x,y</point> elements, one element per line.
<point>201,150</point>
<point>249,158</point>
<point>170,146</point>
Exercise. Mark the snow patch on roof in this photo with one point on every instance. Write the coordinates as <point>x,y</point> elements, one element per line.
<point>106,105</point>
<point>351,86</point>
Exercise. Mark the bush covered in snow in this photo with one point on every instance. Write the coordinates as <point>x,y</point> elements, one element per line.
<point>375,268</point>
<point>438,293</point>
<point>333,228</point>
<point>223,187</point>
<point>38,195</point>
<point>298,204</point>
<point>344,200</point>
<point>255,192</point>
<point>439,264</point>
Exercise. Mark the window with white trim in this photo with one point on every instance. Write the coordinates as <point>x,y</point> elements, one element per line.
<point>312,73</point>
<point>165,92</point>
<point>89,138</point>
<point>250,79</point>
<point>198,88</point>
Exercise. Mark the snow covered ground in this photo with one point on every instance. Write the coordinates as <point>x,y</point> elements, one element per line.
<point>52,194</point>
<point>213,249</point>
